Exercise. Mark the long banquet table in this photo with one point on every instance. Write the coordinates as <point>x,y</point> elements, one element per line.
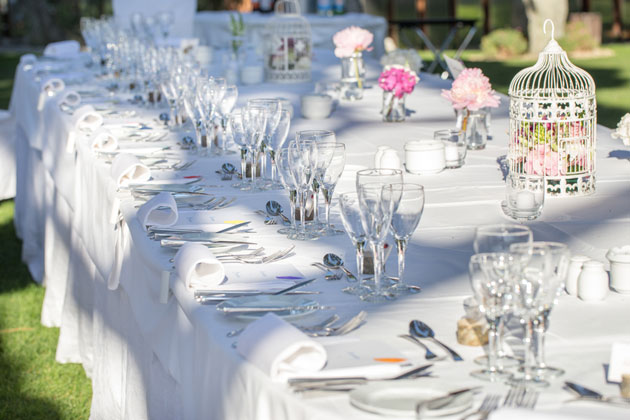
<point>153,360</point>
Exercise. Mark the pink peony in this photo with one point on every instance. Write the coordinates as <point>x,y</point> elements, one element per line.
<point>471,90</point>
<point>541,160</point>
<point>350,40</point>
<point>397,79</point>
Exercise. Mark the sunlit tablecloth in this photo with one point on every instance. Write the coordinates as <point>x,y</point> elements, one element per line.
<point>171,361</point>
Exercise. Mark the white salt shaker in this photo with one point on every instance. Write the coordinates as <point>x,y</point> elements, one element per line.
<point>575,268</point>
<point>379,155</point>
<point>390,159</point>
<point>619,258</point>
<point>593,281</point>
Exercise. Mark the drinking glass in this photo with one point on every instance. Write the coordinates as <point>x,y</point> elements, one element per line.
<point>454,146</point>
<point>534,262</point>
<point>332,172</point>
<point>165,20</point>
<point>377,202</point>
<point>285,175</point>
<point>239,134</point>
<point>560,257</point>
<point>255,121</point>
<point>225,107</point>
<point>302,161</point>
<point>405,220</point>
<point>524,196</point>
<point>351,219</point>
<point>490,278</point>
<point>272,110</point>
<point>498,238</point>
<point>276,142</point>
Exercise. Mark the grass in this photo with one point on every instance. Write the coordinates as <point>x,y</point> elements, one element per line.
<point>611,75</point>
<point>32,384</point>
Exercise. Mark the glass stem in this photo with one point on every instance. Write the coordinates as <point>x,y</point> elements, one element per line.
<point>493,325</point>
<point>263,160</point>
<point>359,256</point>
<point>527,342</point>
<point>540,327</point>
<point>401,245</point>
<point>274,168</point>
<point>377,266</point>
<point>243,166</point>
<point>254,154</point>
<point>315,200</point>
<point>327,192</point>
<point>292,198</point>
<point>303,198</point>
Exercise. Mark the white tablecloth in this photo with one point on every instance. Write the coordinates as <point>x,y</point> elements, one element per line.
<point>170,361</point>
<point>213,28</point>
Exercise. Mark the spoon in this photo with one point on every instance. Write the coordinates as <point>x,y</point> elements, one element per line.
<point>422,330</point>
<point>275,209</point>
<point>228,170</point>
<point>334,261</point>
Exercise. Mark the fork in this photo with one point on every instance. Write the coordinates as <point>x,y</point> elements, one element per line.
<point>522,397</point>
<point>488,405</point>
<point>346,327</point>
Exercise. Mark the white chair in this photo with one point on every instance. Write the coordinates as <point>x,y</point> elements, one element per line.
<point>7,155</point>
<point>183,11</point>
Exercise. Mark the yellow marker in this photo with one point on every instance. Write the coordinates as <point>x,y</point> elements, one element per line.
<point>234,222</point>
<point>389,359</point>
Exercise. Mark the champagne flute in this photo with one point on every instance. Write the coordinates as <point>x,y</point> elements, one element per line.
<point>303,160</point>
<point>351,219</point>
<point>405,220</point>
<point>490,278</point>
<point>255,119</point>
<point>225,107</point>
<point>285,175</point>
<point>332,172</point>
<point>276,141</point>
<point>239,134</point>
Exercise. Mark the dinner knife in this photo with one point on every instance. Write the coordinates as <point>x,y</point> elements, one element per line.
<point>446,400</point>
<point>587,394</point>
<point>236,226</point>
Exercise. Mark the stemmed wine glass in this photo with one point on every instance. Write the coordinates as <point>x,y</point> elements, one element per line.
<point>255,124</point>
<point>332,172</point>
<point>165,19</point>
<point>405,220</point>
<point>225,107</point>
<point>491,280</point>
<point>377,202</point>
<point>276,141</point>
<point>498,238</point>
<point>239,134</point>
<point>272,110</point>
<point>285,175</point>
<point>351,219</point>
<point>559,257</point>
<point>303,161</point>
<point>534,262</point>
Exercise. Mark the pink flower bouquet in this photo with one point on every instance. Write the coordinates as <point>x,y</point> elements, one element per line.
<point>352,40</point>
<point>471,90</point>
<point>398,80</point>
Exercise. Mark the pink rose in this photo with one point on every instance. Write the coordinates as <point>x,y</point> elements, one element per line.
<point>541,160</point>
<point>472,90</point>
<point>350,40</point>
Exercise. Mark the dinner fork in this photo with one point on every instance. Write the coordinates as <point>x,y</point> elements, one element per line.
<point>522,397</point>
<point>488,405</point>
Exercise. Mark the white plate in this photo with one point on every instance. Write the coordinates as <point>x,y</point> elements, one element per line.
<point>242,306</point>
<point>400,398</point>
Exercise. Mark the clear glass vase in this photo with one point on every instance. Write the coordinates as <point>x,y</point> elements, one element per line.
<point>473,123</point>
<point>352,77</point>
<point>393,107</point>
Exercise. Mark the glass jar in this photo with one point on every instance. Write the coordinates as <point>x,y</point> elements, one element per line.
<point>393,107</point>
<point>352,77</point>
<point>473,123</point>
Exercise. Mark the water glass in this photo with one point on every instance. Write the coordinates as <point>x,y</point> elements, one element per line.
<point>524,196</point>
<point>351,219</point>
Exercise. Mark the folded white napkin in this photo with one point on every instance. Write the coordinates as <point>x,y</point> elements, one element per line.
<point>69,98</point>
<point>160,211</point>
<point>198,267</point>
<point>127,168</point>
<point>104,140</point>
<point>579,411</point>
<point>83,118</point>
<point>62,49</point>
<point>49,89</point>
<point>280,349</point>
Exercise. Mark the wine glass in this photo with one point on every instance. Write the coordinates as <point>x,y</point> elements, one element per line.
<point>377,202</point>
<point>405,220</point>
<point>559,256</point>
<point>302,161</point>
<point>490,278</point>
<point>272,110</point>
<point>276,141</point>
<point>534,262</point>
<point>239,134</point>
<point>165,20</point>
<point>255,123</point>
<point>329,178</point>
<point>225,107</point>
<point>351,219</point>
<point>498,238</point>
<point>285,175</point>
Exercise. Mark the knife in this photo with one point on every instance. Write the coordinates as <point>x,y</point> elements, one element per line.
<point>587,394</point>
<point>293,287</point>
<point>236,226</point>
<point>444,401</point>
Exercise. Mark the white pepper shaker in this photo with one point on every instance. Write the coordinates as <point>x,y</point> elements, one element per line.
<point>593,281</point>
<point>575,268</point>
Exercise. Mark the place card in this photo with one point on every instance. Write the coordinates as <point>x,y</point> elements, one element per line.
<point>619,361</point>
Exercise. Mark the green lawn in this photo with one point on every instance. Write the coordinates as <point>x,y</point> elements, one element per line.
<point>611,75</point>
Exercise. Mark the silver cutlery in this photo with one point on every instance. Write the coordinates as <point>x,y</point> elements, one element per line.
<point>275,209</point>
<point>348,326</point>
<point>334,261</point>
<point>428,354</point>
<point>421,330</point>
<point>521,397</point>
<point>233,227</point>
<point>488,405</point>
<point>333,318</point>
<point>444,401</point>
<point>586,394</point>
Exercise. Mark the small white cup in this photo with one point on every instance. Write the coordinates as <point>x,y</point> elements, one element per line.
<point>593,282</point>
<point>575,268</point>
<point>424,157</point>
<point>316,106</point>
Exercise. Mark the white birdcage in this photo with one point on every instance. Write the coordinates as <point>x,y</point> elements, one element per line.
<point>553,122</point>
<point>288,45</point>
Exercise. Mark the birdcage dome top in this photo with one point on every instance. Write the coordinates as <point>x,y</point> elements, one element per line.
<point>287,20</point>
<point>553,76</point>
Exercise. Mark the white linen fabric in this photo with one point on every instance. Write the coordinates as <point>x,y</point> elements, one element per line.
<point>197,266</point>
<point>279,349</point>
<point>84,118</point>
<point>127,168</point>
<point>159,211</point>
<point>49,89</point>
<point>70,98</point>
<point>62,49</point>
<point>104,140</point>
<point>183,11</point>
<point>579,411</point>
<point>7,155</point>
<point>172,360</point>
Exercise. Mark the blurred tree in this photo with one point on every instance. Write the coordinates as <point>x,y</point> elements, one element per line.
<point>537,12</point>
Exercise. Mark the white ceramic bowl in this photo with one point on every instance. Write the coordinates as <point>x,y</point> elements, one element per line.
<point>316,106</point>
<point>424,157</point>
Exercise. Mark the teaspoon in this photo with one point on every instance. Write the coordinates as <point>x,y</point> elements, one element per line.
<point>334,261</point>
<point>422,330</point>
<point>275,209</point>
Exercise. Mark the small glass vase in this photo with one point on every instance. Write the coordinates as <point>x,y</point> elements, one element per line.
<point>475,125</point>
<point>352,77</point>
<point>393,107</point>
